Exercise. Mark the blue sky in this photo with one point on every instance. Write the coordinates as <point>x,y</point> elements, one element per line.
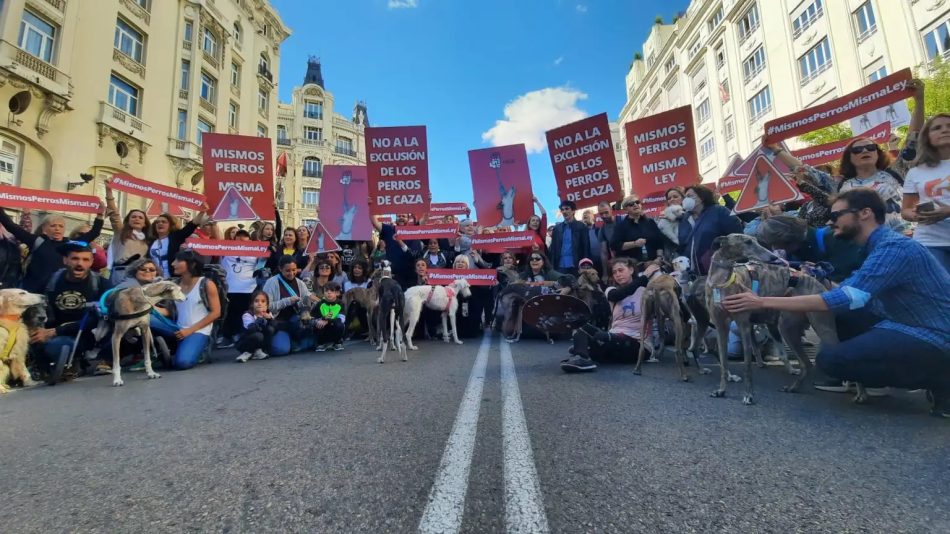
<point>455,65</point>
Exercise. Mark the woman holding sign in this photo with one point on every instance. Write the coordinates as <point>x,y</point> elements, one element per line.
<point>129,241</point>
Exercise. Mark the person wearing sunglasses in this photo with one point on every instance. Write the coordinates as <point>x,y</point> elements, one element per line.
<point>636,236</point>
<point>539,270</point>
<point>570,240</point>
<point>893,314</point>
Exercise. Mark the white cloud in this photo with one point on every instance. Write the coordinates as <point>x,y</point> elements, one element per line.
<point>558,60</point>
<point>399,4</point>
<point>531,114</point>
<point>582,8</point>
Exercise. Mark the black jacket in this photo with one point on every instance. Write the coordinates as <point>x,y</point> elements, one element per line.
<point>580,243</point>
<point>644,228</point>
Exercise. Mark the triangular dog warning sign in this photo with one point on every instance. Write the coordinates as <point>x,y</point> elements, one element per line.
<point>321,241</point>
<point>156,208</point>
<point>234,207</point>
<point>765,185</point>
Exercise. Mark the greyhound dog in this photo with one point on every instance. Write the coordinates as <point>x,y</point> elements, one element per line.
<point>130,309</point>
<point>392,302</point>
<point>368,299</point>
<point>444,299</point>
<point>660,303</point>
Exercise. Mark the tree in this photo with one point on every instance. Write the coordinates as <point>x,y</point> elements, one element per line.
<point>828,134</point>
<point>936,78</point>
<point>658,19</point>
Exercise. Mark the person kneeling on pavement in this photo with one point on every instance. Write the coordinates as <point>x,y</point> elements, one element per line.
<point>197,313</point>
<point>621,343</point>
<point>288,295</point>
<point>893,312</point>
<point>329,321</point>
<point>71,294</point>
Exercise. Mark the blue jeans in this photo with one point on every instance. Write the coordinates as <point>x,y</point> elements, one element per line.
<point>54,346</point>
<point>880,357</point>
<point>189,351</point>
<point>287,336</point>
<point>161,325</point>
<point>943,256</point>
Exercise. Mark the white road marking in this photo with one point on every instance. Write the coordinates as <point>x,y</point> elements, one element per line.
<point>524,505</point>
<point>446,507</point>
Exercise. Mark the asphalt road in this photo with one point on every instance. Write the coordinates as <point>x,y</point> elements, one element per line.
<point>334,442</point>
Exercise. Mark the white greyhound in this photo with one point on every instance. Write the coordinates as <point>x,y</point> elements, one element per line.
<point>444,299</point>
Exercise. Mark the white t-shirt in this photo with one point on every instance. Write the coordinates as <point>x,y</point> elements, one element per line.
<point>240,271</point>
<point>931,184</point>
<point>627,315</point>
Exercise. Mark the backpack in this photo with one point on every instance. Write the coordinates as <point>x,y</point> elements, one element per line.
<point>58,275</point>
<point>215,274</point>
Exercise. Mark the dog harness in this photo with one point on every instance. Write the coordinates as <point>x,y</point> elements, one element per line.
<point>11,340</point>
<point>449,294</point>
<point>104,309</point>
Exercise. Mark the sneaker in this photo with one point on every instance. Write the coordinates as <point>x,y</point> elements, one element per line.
<point>834,386</point>
<point>939,404</point>
<point>578,364</point>
<point>338,346</point>
<point>223,343</point>
<point>321,348</point>
<point>260,355</point>
<point>103,368</point>
<point>243,357</point>
<point>136,367</point>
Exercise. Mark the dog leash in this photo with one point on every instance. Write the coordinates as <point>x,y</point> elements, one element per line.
<point>449,293</point>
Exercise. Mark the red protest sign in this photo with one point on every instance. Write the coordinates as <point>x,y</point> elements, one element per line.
<point>730,180</point>
<point>159,193</point>
<point>39,200</point>
<point>156,208</point>
<point>474,277</point>
<point>765,185</point>
<point>662,151</point>
<point>584,164</point>
<point>321,241</point>
<point>243,162</point>
<point>887,90</point>
<point>747,164</point>
<point>441,209</point>
<point>234,207</point>
<point>652,205</point>
<point>397,164</point>
<point>816,155</point>
<point>503,242</point>
<point>428,231</point>
<point>343,208</point>
<point>212,247</point>
<point>502,185</point>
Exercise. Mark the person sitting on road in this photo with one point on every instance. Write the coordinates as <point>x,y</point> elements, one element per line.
<point>288,295</point>
<point>324,275</point>
<point>894,322</point>
<point>71,294</point>
<point>329,319</point>
<point>539,270</point>
<point>258,333</point>
<point>197,313</point>
<point>621,343</point>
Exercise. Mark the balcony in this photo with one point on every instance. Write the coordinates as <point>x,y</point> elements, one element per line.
<point>210,59</point>
<point>346,151</point>
<point>310,173</point>
<point>58,5</point>
<point>34,69</point>
<point>180,148</point>
<point>265,73</point>
<point>805,24</point>
<point>236,90</point>
<point>815,73</point>
<point>183,94</point>
<point>136,10</point>
<point>312,142</point>
<point>129,63</point>
<point>121,121</point>
<point>339,121</point>
<point>207,106</point>
<point>313,116</point>
<point>186,44</point>
<point>283,141</point>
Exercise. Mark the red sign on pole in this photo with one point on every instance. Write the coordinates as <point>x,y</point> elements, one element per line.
<point>397,163</point>
<point>39,200</point>
<point>584,164</point>
<point>211,247</point>
<point>234,207</point>
<point>343,208</point>
<point>321,241</point>
<point>441,209</point>
<point>662,151</point>
<point>887,90</point>
<point>765,185</point>
<point>243,162</point>
<point>474,277</point>
<point>159,193</point>
<point>156,208</point>
<point>816,155</point>
<point>428,231</point>
<point>502,185</point>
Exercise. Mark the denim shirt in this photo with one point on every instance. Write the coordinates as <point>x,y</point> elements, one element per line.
<point>567,249</point>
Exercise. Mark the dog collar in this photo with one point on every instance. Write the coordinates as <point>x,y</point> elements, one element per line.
<point>10,317</point>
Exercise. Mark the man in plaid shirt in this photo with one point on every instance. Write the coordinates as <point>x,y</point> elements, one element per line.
<point>901,286</point>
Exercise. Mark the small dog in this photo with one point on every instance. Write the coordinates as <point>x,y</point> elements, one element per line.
<point>444,299</point>
<point>14,336</point>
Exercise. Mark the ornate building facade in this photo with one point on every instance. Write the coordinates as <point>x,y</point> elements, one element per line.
<point>312,134</point>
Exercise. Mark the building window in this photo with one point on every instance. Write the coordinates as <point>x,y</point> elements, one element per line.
<point>864,21</point>
<point>877,74</point>
<point>37,36</point>
<point>262,98</point>
<point>237,34</point>
<point>670,65</point>
<point>310,223</point>
<point>145,4</point>
<point>694,48</point>
<point>720,55</point>
<point>208,87</point>
<point>344,145</point>
<point>281,133</point>
<point>707,147</point>
<point>312,134</point>
<point>760,104</point>
<point>261,130</point>
<point>754,63</point>
<point>235,74</point>
<point>815,61</point>
<point>233,110</point>
<point>182,124</point>
<point>807,17</point>
<point>189,30</point>
<point>210,43</point>
<point>185,75</point>
<point>724,91</point>
<point>312,167</point>
<point>937,41</point>
<point>748,23</point>
<point>123,95</point>
<point>715,20</point>
<point>263,64</point>
<point>311,197</point>
<point>702,112</point>
<point>729,129</point>
<point>313,110</point>
<point>699,81</point>
<point>128,41</point>
<point>9,160</point>
<point>203,128</point>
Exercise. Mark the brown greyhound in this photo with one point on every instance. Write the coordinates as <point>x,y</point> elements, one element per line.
<point>660,303</point>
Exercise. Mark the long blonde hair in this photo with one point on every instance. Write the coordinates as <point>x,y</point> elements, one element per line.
<point>927,153</point>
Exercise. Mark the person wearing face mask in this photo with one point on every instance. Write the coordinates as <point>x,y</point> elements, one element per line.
<point>704,221</point>
<point>44,257</point>
<point>892,314</point>
<point>637,236</point>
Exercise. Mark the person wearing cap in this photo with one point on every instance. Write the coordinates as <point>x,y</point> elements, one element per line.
<point>570,240</point>
<point>636,235</point>
<point>69,291</point>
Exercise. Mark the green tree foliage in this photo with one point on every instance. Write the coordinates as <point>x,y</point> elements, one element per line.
<point>936,77</point>
<point>828,134</point>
